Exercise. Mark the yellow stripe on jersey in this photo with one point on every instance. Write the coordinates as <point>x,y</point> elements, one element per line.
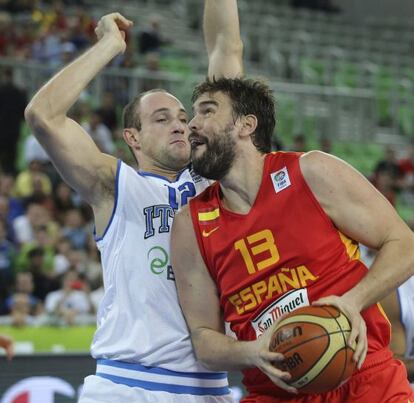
<point>381,309</point>
<point>209,215</point>
<point>352,247</point>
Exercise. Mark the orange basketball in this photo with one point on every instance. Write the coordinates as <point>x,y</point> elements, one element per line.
<point>313,341</point>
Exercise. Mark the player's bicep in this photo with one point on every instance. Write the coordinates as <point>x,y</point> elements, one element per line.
<point>353,204</point>
<point>196,290</point>
<point>75,155</point>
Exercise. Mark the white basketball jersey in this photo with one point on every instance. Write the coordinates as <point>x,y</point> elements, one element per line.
<point>139,318</point>
<point>406,298</point>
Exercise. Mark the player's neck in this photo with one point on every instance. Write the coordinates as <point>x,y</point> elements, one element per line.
<point>170,174</point>
<point>241,185</point>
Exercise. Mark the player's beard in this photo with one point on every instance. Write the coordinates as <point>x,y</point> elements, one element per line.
<point>218,158</point>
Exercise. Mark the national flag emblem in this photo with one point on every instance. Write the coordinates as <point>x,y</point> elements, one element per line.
<point>208,216</point>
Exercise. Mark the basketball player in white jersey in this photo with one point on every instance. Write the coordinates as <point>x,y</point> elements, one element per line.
<point>142,345</point>
<point>399,307</point>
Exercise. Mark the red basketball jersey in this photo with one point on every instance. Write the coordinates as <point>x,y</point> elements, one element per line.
<point>285,253</point>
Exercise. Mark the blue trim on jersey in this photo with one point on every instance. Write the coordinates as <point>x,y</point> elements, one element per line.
<point>118,169</point>
<point>164,387</point>
<point>161,371</point>
<point>143,173</point>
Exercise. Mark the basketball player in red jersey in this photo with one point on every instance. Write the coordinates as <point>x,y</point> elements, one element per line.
<point>278,231</point>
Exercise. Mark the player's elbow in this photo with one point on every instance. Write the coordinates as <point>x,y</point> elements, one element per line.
<point>34,116</point>
<point>38,119</point>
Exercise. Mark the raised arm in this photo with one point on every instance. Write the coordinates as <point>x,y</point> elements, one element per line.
<point>71,149</point>
<point>222,38</point>
<point>201,307</point>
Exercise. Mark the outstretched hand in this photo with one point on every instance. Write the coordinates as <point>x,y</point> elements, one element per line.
<point>359,329</point>
<point>115,25</point>
<point>7,344</point>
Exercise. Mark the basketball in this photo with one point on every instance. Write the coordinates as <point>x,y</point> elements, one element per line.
<point>313,340</point>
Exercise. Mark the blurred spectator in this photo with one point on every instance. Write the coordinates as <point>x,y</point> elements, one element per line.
<point>42,240</point>
<point>15,205</point>
<point>384,181</point>
<point>326,145</point>
<point>406,166</point>
<point>7,258</point>
<point>100,133</point>
<point>324,5</point>
<point>33,182</point>
<point>107,111</point>
<point>25,286</point>
<point>17,6</point>
<point>150,39</point>
<point>389,162</point>
<point>36,216</point>
<point>63,200</point>
<point>5,33</point>
<point>62,257</point>
<point>43,284</point>
<point>6,218</point>
<point>74,229</point>
<point>276,144</point>
<point>19,312</point>
<point>12,103</point>
<point>71,304</point>
<point>299,143</point>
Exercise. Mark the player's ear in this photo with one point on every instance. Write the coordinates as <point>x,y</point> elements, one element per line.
<point>131,137</point>
<point>249,125</point>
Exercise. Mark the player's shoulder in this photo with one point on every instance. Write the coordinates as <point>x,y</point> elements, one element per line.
<point>320,165</point>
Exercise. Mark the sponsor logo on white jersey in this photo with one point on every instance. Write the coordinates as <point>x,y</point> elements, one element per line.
<point>280,179</point>
<point>287,303</point>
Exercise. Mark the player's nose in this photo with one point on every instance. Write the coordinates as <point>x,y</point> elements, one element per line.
<point>194,124</point>
<point>179,127</point>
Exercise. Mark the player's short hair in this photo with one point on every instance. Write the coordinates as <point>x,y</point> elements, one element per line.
<point>130,114</point>
<point>248,97</point>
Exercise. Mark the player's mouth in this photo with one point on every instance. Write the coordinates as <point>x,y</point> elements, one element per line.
<point>196,140</point>
<point>183,142</point>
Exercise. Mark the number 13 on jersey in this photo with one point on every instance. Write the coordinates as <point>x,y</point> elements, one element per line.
<point>253,245</point>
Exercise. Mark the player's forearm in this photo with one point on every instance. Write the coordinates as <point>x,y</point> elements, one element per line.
<point>219,352</point>
<point>393,265</point>
<point>222,38</point>
<point>221,24</point>
<point>57,96</point>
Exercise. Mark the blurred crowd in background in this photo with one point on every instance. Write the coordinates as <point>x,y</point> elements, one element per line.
<point>50,271</point>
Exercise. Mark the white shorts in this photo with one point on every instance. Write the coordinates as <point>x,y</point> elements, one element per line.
<point>101,390</point>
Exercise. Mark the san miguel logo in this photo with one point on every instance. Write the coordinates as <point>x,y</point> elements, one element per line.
<point>286,304</point>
